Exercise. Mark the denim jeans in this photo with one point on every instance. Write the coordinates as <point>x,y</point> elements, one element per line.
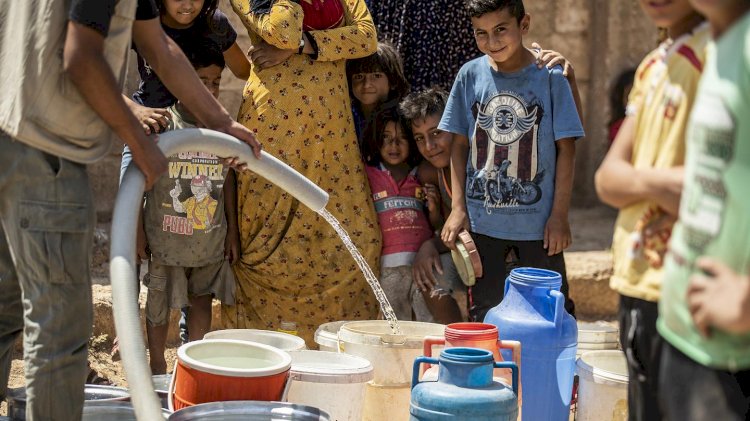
<point>46,233</point>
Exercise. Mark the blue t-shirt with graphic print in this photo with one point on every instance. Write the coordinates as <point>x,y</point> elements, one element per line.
<point>512,121</point>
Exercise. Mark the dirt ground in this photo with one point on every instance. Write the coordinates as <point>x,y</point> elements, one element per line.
<point>591,229</point>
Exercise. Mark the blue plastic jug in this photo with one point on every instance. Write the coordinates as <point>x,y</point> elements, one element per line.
<point>533,313</point>
<point>465,390</point>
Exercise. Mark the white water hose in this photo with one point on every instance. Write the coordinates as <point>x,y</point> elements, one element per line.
<point>122,250</point>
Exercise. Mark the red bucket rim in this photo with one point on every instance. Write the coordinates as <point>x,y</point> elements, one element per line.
<point>471,331</point>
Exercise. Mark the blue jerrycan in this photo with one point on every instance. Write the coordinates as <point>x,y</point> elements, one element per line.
<point>533,313</point>
<point>465,390</point>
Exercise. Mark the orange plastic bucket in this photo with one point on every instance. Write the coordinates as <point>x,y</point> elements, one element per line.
<point>216,370</point>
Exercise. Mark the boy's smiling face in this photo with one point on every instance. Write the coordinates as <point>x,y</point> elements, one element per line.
<point>499,34</point>
<point>433,143</point>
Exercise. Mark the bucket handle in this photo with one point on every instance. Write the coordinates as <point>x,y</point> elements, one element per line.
<point>502,364</point>
<point>170,391</point>
<point>415,369</point>
<point>429,342</point>
<point>559,299</point>
<point>514,373</point>
<point>515,351</point>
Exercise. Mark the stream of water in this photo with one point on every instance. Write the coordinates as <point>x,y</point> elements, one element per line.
<point>385,306</point>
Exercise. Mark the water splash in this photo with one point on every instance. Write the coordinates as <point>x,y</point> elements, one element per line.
<point>385,306</point>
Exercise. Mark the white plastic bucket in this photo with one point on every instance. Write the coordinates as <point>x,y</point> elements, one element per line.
<point>280,340</point>
<point>327,335</point>
<point>330,381</point>
<point>392,357</point>
<point>602,386</point>
<point>596,336</point>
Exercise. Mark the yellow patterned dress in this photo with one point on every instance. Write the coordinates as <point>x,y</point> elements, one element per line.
<point>294,267</point>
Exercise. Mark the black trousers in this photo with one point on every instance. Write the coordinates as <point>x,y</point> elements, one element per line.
<point>489,289</point>
<point>690,391</point>
<point>642,346</point>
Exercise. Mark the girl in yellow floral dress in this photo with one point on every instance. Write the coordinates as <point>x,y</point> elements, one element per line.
<point>294,267</point>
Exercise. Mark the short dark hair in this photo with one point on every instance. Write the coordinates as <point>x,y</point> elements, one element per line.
<point>387,60</point>
<point>477,8</point>
<point>419,105</point>
<point>372,138</point>
<point>206,55</point>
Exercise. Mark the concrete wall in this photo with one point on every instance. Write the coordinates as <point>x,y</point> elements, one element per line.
<point>600,37</point>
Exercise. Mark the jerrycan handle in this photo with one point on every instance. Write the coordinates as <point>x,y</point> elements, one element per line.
<point>559,305</point>
<point>515,350</point>
<point>429,342</point>
<point>415,369</point>
<point>514,373</point>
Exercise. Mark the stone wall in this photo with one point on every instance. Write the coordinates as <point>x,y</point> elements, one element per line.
<point>600,37</point>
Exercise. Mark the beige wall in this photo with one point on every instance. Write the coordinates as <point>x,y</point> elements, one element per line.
<point>600,37</point>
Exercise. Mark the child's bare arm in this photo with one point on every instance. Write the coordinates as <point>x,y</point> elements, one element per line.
<point>232,241</point>
<point>620,184</point>
<point>427,175</point>
<point>557,231</point>
<point>458,219</point>
<point>237,62</point>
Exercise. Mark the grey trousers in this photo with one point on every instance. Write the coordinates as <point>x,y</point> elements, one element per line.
<point>46,233</point>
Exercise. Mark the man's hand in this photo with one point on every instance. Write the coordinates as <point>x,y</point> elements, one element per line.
<point>557,234</point>
<point>149,159</point>
<point>426,259</point>
<point>265,55</point>
<point>241,132</point>
<point>457,221</point>
<point>719,299</point>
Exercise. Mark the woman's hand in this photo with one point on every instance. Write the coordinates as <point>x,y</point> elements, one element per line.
<point>264,55</point>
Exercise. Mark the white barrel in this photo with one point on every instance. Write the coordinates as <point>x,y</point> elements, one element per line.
<point>602,386</point>
<point>330,381</point>
<point>392,356</point>
<point>280,340</point>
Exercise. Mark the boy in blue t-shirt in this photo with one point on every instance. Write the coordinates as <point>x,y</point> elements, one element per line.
<point>514,128</point>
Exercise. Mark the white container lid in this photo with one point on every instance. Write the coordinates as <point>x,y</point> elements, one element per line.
<point>607,367</point>
<point>226,357</point>
<point>597,332</point>
<point>329,367</point>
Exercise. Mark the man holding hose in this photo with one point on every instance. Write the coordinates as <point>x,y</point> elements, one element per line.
<point>62,63</point>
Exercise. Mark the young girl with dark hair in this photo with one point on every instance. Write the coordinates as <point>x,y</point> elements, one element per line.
<point>375,82</point>
<point>400,203</point>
